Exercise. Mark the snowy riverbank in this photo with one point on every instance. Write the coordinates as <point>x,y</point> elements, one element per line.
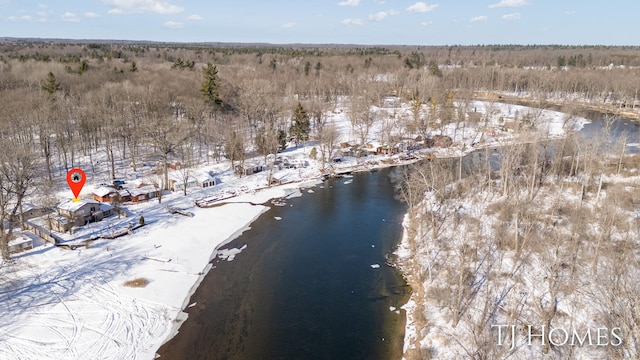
<point>512,282</point>
<point>75,304</point>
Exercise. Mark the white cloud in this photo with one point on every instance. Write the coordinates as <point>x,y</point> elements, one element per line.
<point>352,22</point>
<point>349,3</point>
<point>514,16</point>
<point>510,3</point>
<point>478,18</point>
<point>69,17</point>
<point>195,17</point>
<point>570,12</point>
<point>378,16</point>
<point>426,23</point>
<point>91,15</point>
<point>21,18</point>
<point>173,25</point>
<point>288,25</point>
<point>142,6</point>
<point>43,6</point>
<point>421,7</point>
<point>43,14</point>
<point>381,15</point>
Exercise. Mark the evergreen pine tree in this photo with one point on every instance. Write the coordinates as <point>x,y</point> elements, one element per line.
<point>307,68</point>
<point>83,67</point>
<point>301,125</point>
<point>209,87</point>
<point>51,84</point>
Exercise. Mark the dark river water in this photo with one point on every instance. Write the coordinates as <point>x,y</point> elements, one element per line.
<point>304,287</point>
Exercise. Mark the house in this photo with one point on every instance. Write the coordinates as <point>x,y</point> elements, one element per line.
<point>248,169</point>
<point>442,141</point>
<point>78,213</point>
<point>386,150</point>
<point>30,211</point>
<point>106,194</point>
<point>179,183</point>
<point>124,195</point>
<point>142,193</point>
<point>206,179</point>
<point>172,164</point>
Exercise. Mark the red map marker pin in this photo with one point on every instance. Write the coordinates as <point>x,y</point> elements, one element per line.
<point>76,179</point>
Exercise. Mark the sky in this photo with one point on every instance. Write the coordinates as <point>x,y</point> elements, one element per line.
<point>366,22</point>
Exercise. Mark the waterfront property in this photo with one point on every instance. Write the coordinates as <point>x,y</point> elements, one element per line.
<point>78,213</point>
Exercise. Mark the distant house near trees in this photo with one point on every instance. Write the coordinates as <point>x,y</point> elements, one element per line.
<point>201,180</point>
<point>248,169</point>
<point>177,184</point>
<point>133,194</point>
<point>441,141</point>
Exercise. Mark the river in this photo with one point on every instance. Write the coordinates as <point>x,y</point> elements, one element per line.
<point>305,287</point>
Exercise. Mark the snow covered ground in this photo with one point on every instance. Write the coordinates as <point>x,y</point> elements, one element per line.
<point>74,304</point>
<point>520,290</point>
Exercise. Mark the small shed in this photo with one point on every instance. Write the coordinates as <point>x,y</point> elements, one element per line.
<point>20,244</point>
<point>30,211</point>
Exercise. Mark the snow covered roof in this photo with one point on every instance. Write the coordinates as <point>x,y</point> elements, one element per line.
<point>204,176</point>
<point>29,206</point>
<point>21,239</point>
<point>143,190</point>
<point>104,191</point>
<point>73,206</point>
<point>178,179</point>
<point>105,207</point>
<point>61,219</point>
<point>124,192</point>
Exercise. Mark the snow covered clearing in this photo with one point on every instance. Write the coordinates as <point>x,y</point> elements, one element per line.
<point>62,304</point>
